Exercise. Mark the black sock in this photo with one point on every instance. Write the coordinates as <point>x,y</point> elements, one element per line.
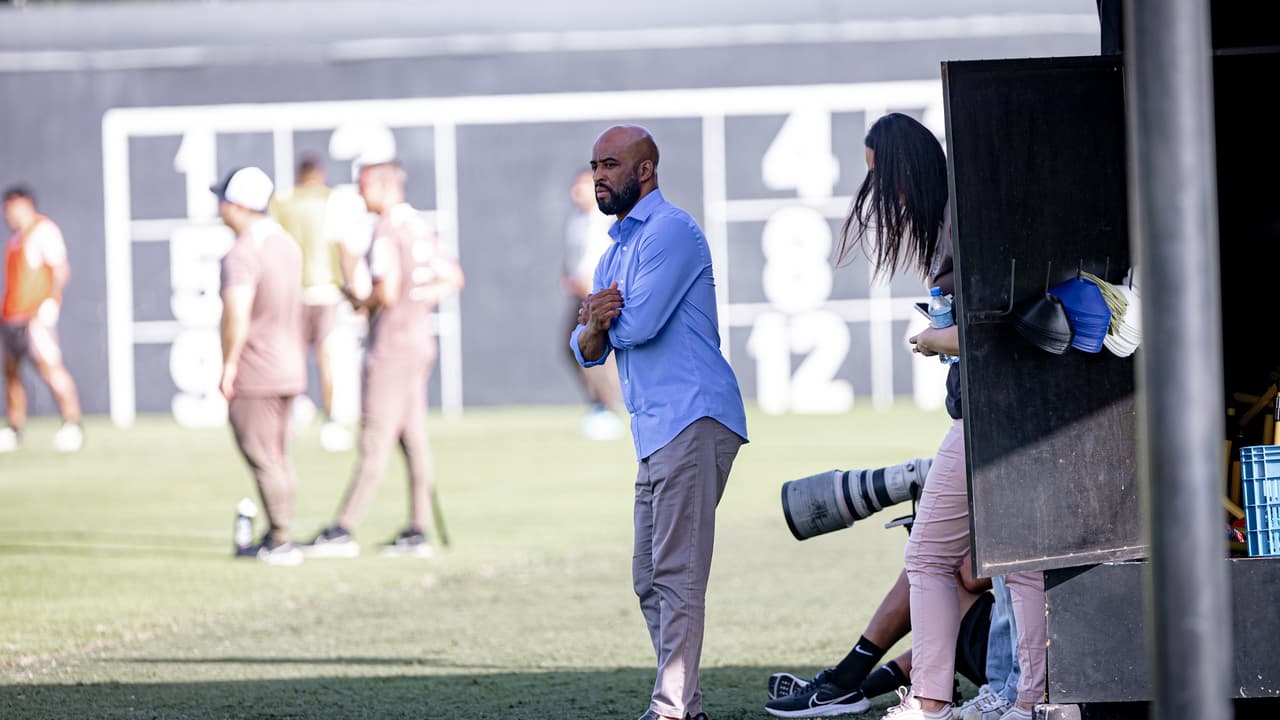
<point>886,678</point>
<point>853,669</point>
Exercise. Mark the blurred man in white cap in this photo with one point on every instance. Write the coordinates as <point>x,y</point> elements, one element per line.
<point>36,271</point>
<point>263,354</point>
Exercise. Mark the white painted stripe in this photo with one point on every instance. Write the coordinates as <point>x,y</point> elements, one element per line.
<point>675,38</point>
<point>533,108</point>
<point>282,158</point>
<point>682,38</point>
<point>858,310</point>
<point>450,310</point>
<point>714,184</point>
<point>159,332</point>
<point>897,30</point>
<point>127,59</point>
<point>881,344</point>
<point>759,210</point>
<point>162,229</point>
<point>118,261</point>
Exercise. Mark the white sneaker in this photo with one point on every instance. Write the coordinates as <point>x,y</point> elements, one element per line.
<point>601,424</point>
<point>908,708</point>
<point>69,438</point>
<point>286,554</point>
<point>1016,713</point>
<point>8,440</point>
<point>335,437</point>
<point>986,705</point>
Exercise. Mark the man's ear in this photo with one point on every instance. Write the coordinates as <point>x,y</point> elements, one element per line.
<point>646,170</point>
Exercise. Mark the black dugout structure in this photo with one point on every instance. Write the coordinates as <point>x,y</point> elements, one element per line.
<point>1041,189</point>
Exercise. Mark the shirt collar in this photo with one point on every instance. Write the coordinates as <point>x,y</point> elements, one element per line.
<point>639,214</point>
<point>646,206</point>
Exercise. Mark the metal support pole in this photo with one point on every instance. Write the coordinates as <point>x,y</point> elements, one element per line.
<point>1173,219</point>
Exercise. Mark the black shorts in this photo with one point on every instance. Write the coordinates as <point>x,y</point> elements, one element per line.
<point>971,642</point>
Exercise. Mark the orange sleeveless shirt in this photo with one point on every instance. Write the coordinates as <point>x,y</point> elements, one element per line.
<point>25,287</point>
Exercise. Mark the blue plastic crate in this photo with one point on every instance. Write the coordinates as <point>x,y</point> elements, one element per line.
<point>1260,479</point>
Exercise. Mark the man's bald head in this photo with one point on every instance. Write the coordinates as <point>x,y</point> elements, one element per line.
<point>624,163</point>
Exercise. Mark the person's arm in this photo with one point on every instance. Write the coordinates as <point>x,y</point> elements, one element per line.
<point>51,251</point>
<point>237,301</point>
<point>384,274</point>
<point>670,262</point>
<point>933,341</point>
<point>590,340</point>
<point>448,280</point>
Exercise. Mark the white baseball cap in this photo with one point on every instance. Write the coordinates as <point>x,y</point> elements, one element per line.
<point>248,187</point>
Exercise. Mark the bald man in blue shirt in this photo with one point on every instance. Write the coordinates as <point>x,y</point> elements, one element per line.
<point>655,308</point>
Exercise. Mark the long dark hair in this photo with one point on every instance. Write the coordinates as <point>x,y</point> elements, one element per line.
<point>896,231</point>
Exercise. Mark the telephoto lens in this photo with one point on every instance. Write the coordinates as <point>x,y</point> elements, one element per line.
<point>835,499</point>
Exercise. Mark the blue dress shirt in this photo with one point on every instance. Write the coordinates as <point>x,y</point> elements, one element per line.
<point>667,338</point>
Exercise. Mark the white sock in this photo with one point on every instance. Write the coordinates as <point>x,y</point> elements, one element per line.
<point>1018,713</point>
<point>943,714</point>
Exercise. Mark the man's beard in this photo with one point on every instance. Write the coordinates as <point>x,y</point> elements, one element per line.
<point>617,203</point>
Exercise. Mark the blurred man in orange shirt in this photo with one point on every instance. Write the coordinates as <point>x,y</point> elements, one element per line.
<point>36,271</point>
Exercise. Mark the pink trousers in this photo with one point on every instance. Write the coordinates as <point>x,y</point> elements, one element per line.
<point>938,548</point>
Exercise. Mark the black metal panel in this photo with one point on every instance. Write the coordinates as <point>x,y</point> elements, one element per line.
<point>1037,170</point>
<point>1098,646</point>
<point>1248,222</point>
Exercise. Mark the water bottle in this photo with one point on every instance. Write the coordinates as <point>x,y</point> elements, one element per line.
<point>243,534</point>
<point>940,316</point>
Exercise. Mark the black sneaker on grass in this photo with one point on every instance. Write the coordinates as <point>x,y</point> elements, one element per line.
<point>332,542</point>
<point>410,543</point>
<point>819,700</point>
<point>782,684</point>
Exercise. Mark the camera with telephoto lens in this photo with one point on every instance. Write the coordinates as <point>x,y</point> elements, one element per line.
<point>835,499</point>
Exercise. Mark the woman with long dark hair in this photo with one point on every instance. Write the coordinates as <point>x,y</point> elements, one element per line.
<point>900,221</point>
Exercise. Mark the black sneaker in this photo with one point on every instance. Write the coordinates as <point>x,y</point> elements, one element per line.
<point>819,700</point>
<point>285,553</point>
<point>332,542</point>
<point>410,543</point>
<point>782,684</point>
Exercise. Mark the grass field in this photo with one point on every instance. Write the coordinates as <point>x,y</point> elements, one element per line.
<point>119,599</point>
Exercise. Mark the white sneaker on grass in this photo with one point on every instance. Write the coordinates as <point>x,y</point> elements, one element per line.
<point>332,542</point>
<point>908,708</point>
<point>335,437</point>
<point>284,554</point>
<point>986,705</point>
<point>9,440</point>
<point>1016,713</point>
<point>69,438</point>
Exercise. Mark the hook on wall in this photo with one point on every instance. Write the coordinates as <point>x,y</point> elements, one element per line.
<point>993,316</point>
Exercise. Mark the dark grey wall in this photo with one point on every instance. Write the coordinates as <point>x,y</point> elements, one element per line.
<point>512,179</point>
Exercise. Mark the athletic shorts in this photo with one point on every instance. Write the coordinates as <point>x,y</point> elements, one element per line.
<point>32,339</point>
<point>317,323</point>
<point>971,642</point>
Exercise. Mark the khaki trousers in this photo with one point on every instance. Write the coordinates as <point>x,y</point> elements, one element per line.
<point>677,490</point>
<point>261,429</point>
<point>393,410</point>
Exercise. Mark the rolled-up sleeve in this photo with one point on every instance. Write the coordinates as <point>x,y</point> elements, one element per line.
<point>670,260</point>
<point>577,350</point>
